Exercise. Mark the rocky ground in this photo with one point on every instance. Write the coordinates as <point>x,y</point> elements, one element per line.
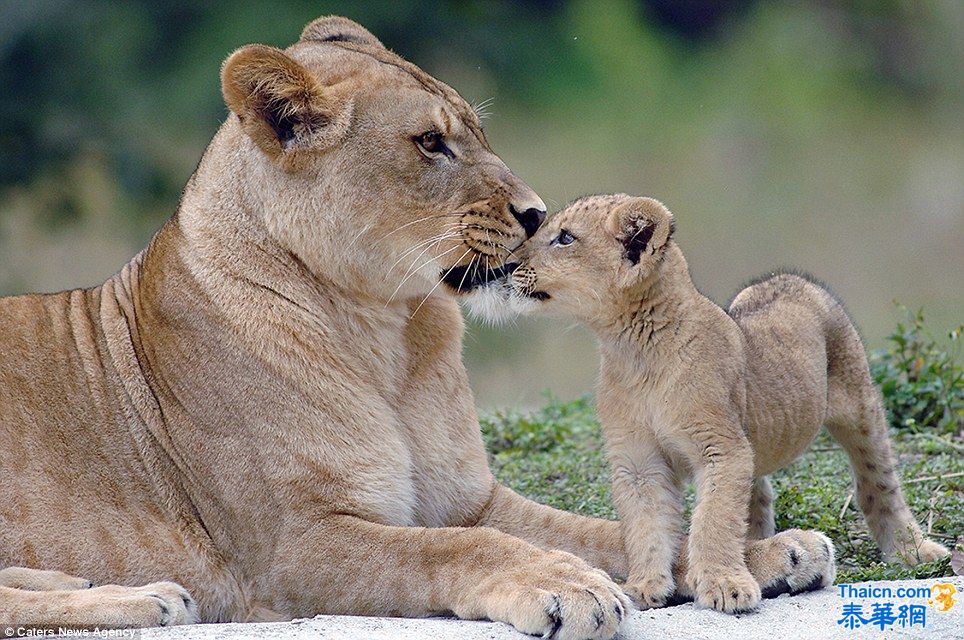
<point>812,616</point>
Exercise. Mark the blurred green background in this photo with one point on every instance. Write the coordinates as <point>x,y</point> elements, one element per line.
<point>826,135</point>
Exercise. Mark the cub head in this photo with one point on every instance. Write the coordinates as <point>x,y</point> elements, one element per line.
<point>374,174</point>
<point>585,259</point>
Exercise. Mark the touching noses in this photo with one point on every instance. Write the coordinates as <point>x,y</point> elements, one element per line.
<point>530,215</point>
<point>524,205</point>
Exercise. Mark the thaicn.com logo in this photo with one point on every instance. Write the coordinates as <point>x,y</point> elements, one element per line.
<point>893,607</point>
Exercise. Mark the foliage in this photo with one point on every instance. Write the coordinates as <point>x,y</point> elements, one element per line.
<point>758,122</point>
<point>921,381</point>
<point>555,455</point>
<point>113,78</point>
<point>811,494</point>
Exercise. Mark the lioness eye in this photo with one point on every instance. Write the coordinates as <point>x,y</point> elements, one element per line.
<point>432,142</point>
<point>564,238</point>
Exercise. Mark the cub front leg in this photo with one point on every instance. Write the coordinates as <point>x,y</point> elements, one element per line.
<point>718,574</point>
<point>346,565</point>
<point>648,499</point>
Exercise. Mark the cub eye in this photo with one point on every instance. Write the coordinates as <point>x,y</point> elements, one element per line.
<point>432,143</point>
<point>564,238</point>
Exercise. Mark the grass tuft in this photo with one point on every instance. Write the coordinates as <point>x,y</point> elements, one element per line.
<point>922,382</point>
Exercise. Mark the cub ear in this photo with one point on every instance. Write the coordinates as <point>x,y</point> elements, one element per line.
<point>338,29</point>
<point>282,107</point>
<point>643,226</point>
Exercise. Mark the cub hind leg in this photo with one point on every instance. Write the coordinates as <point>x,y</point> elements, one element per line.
<point>762,523</point>
<point>857,420</point>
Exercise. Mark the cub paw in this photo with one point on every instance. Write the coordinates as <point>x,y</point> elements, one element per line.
<point>792,561</point>
<point>926,551</point>
<point>729,591</point>
<point>555,595</point>
<point>650,593</point>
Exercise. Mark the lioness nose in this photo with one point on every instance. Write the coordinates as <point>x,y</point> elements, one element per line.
<point>530,219</point>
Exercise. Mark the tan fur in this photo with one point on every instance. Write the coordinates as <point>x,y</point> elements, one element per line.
<point>37,580</point>
<point>269,406</point>
<point>687,389</point>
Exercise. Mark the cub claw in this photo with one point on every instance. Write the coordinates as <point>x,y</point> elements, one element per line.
<point>650,593</point>
<point>733,592</point>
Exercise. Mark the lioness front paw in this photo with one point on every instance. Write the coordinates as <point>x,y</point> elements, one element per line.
<point>650,592</point>
<point>37,580</point>
<point>727,591</point>
<point>557,595</point>
<point>160,604</point>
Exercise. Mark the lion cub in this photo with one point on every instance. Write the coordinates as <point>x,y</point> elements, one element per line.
<point>688,389</point>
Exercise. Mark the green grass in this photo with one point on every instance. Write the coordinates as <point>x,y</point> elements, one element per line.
<point>555,455</point>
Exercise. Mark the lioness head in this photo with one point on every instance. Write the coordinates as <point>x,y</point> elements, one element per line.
<point>375,175</point>
<point>583,261</point>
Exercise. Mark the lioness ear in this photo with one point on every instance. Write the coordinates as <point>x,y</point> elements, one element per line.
<point>338,29</point>
<point>643,226</point>
<point>282,107</point>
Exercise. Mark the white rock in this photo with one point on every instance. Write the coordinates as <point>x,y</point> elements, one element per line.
<point>811,616</point>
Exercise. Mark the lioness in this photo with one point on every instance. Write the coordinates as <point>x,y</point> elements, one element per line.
<point>730,397</point>
<point>268,405</point>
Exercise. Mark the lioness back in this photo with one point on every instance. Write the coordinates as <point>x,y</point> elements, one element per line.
<point>71,464</point>
<point>45,340</point>
<point>48,351</point>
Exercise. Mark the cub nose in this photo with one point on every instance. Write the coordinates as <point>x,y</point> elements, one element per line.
<point>530,219</point>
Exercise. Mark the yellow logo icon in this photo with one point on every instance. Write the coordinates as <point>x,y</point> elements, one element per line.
<point>943,596</point>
